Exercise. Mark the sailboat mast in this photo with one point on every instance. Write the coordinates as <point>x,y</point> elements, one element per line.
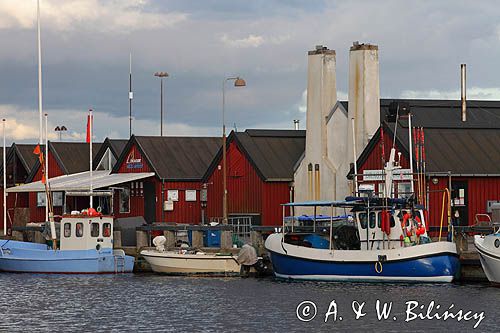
<point>4,183</point>
<point>47,198</point>
<point>90,157</point>
<point>39,74</point>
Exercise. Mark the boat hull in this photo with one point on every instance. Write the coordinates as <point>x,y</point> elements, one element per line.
<point>434,262</point>
<point>489,254</point>
<point>25,257</point>
<point>181,264</point>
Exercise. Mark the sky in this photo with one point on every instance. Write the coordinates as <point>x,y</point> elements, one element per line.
<point>86,46</point>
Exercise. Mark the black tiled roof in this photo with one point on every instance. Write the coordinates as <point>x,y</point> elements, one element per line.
<point>459,150</point>
<point>446,113</point>
<point>26,155</point>
<point>273,153</point>
<point>73,157</point>
<point>175,158</point>
<point>115,145</point>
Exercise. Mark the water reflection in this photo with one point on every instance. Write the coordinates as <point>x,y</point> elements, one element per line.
<point>151,302</point>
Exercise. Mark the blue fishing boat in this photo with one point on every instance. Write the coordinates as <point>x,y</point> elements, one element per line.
<point>383,239</point>
<point>86,247</point>
<point>358,251</point>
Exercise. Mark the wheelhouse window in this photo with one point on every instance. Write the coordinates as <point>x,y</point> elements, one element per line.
<point>94,231</point>
<point>67,230</point>
<point>106,229</point>
<point>372,219</point>
<point>404,190</point>
<point>363,220</point>
<point>125,200</point>
<point>79,229</point>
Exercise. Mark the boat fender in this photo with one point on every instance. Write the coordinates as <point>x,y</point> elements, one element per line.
<point>378,267</point>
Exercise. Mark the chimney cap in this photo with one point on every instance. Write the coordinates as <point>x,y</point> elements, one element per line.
<point>321,49</point>
<point>362,46</point>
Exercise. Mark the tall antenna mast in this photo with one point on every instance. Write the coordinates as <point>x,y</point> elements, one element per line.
<point>130,96</point>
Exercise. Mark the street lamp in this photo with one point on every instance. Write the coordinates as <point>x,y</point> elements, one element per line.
<point>60,129</point>
<point>238,82</point>
<point>161,75</point>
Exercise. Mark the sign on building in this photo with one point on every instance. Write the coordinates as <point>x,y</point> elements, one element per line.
<point>173,195</point>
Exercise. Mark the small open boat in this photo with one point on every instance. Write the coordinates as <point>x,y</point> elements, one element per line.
<point>189,262</point>
<point>86,247</point>
<point>489,253</point>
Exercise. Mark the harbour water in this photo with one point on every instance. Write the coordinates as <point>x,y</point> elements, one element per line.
<point>147,302</point>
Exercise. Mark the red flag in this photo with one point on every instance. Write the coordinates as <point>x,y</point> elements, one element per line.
<point>38,151</point>
<point>89,123</point>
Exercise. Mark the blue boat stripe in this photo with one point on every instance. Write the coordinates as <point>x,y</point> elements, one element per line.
<point>368,262</point>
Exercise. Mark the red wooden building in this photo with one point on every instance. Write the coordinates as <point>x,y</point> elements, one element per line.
<point>260,166</point>
<point>461,156</point>
<point>65,158</point>
<point>20,162</point>
<point>173,194</point>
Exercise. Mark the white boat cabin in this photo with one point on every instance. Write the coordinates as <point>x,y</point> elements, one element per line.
<point>81,232</point>
<point>402,225</point>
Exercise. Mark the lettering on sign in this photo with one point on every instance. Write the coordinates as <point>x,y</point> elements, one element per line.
<point>132,162</point>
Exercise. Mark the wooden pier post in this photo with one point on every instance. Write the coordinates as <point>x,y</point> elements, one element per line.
<point>197,239</point>
<point>38,237</point>
<point>226,239</point>
<point>257,242</point>
<point>17,235</point>
<point>142,239</point>
<point>117,239</point>
<point>170,236</point>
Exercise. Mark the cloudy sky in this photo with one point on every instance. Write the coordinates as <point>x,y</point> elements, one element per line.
<point>86,46</point>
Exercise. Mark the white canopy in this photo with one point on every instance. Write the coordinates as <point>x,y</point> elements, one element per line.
<point>81,181</point>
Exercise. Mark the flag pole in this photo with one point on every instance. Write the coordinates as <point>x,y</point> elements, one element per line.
<point>90,155</point>
<point>4,183</point>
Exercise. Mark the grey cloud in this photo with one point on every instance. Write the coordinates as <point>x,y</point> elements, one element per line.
<point>421,46</point>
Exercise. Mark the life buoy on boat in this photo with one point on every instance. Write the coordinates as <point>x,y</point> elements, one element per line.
<point>377,269</point>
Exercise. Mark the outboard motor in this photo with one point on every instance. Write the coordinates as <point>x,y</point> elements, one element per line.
<point>159,242</point>
<point>247,258</point>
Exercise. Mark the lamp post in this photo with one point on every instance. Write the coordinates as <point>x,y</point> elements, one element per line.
<point>59,130</point>
<point>161,75</point>
<point>238,82</point>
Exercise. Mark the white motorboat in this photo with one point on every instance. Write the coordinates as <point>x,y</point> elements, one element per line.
<point>189,262</point>
<point>489,253</point>
<point>183,262</point>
